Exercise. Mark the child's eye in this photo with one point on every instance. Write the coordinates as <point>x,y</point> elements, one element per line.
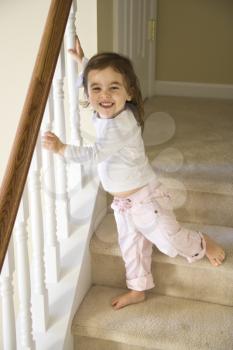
<point>95,89</point>
<point>115,87</point>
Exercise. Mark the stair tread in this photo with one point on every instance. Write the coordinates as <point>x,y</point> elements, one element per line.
<point>161,322</point>
<point>104,241</point>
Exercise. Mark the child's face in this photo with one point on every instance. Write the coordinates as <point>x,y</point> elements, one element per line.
<point>107,92</point>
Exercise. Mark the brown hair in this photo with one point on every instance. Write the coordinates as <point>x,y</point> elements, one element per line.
<point>124,66</point>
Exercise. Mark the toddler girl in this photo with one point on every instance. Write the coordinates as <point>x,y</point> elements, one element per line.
<point>141,208</point>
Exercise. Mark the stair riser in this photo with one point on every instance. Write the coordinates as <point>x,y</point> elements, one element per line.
<point>207,208</point>
<point>171,280</point>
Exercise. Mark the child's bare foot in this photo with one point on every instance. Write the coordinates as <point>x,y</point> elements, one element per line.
<point>132,297</point>
<point>214,252</point>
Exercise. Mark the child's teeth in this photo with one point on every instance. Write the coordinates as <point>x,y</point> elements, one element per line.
<point>106,104</point>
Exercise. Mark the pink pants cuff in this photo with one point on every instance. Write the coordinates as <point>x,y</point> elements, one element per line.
<point>141,283</point>
<point>202,253</point>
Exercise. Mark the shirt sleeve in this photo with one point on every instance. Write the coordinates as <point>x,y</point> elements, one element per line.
<point>104,148</point>
<point>79,81</point>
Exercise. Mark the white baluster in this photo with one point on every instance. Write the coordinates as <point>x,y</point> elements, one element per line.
<point>40,295</point>
<point>60,165</point>
<point>71,72</point>
<point>52,249</point>
<point>73,97</point>
<point>23,278</point>
<point>8,314</point>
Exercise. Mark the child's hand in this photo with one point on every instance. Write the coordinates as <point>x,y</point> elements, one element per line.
<point>52,143</point>
<point>77,53</point>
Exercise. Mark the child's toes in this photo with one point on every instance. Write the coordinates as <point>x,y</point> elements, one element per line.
<point>218,260</point>
<point>223,255</point>
<point>114,302</point>
<point>220,256</point>
<point>118,306</point>
<point>214,261</point>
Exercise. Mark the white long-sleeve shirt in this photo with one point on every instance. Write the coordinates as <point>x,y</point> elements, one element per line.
<point>118,152</point>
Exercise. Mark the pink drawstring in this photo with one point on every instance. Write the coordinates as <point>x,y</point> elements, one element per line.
<point>160,193</point>
<point>121,204</point>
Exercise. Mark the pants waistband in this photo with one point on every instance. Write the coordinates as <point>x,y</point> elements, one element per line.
<point>124,203</point>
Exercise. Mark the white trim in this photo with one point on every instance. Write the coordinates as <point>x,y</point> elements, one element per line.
<point>129,19</point>
<point>115,26</point>
<point>176,88</point>
<point>152,51</point>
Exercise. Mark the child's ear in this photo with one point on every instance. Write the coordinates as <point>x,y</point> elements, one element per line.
<point>129,97</point>
<point>130,94</point>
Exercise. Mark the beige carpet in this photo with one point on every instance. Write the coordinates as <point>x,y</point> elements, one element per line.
<point>200,130</point>
<point>159,323</point>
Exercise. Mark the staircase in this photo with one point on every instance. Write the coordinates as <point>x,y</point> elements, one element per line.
<point>191,306</point>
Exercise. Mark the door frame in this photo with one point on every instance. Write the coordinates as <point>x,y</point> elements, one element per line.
<point>122,43</point>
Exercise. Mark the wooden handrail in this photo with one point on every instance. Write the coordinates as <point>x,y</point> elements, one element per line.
<point>29,125</point>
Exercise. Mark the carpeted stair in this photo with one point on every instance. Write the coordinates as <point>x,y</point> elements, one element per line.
<point>191,306</point>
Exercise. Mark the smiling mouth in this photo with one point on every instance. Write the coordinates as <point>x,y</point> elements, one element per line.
<point>106,104</point>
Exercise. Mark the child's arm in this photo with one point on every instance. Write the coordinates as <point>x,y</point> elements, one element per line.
<point>77,53</point>
<point>116,138</point>
<point>52,143</point>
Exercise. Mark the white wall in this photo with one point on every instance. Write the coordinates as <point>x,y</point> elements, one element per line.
<point>194,41</point>
<point>21,28</point>
<point>21,25</point>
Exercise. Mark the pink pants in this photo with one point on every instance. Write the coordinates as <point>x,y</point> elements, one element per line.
<point>146,218</point>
